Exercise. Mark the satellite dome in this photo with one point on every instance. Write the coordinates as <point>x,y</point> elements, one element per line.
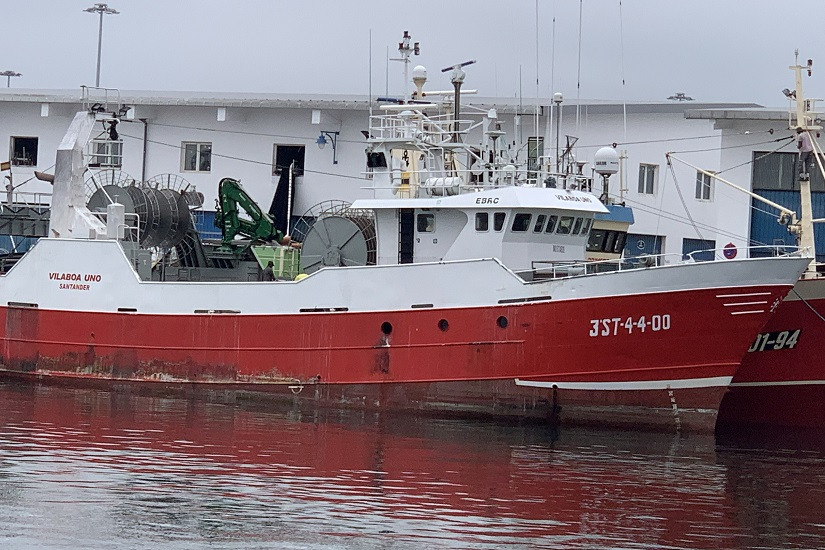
<point>606,161</point>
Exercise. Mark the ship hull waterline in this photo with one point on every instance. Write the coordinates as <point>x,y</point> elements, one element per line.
<point>481,341</point>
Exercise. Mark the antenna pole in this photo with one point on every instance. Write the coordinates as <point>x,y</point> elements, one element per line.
<point>579,69</point>
<point>537,75</point>
<point>405,50</point>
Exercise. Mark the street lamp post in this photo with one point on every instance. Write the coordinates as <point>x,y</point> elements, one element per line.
<point>101,9</point>
<point>8,75</point>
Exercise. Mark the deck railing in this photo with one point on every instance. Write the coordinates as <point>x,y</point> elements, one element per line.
<point>554,270</point>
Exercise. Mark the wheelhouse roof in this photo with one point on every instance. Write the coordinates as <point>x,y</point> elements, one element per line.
<point>515,197</point>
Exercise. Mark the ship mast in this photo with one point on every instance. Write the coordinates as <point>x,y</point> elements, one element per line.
<point>805,120</point>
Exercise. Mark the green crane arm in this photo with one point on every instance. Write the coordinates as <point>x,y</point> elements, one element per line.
<point>231,197</point>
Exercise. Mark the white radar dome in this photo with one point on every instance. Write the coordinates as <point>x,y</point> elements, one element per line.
<point>606,161</point>
<point>419,71</point>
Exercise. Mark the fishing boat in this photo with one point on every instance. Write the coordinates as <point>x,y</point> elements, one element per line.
<point>781,383</point>
<point>459,288</point>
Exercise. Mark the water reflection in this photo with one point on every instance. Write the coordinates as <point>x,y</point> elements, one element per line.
<point>94,469</point>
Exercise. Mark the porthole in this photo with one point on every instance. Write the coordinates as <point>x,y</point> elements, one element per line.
<point>443,325</point>
<point>502,322</point>
<point>386,328</point>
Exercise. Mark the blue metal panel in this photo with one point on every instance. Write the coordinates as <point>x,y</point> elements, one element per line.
<point>766,231</point>
<point>617,213</point>
<point>692,245</point>
<point>205,224</point>
<point>642,245</point>
<point>16,244</point>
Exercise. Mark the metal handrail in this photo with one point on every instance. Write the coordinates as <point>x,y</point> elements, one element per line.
<point>88,101</point>
<point>570,268</point>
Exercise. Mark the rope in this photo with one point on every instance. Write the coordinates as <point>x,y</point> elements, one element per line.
<point>804,301</point>
<point>244,133</point>
<point>682,199</point>
<point>788,139</point>
<point>683,220</point>
<point>760,157</point>
<point>241,159</point>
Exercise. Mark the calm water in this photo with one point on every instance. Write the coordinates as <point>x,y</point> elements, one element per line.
<point>85,469</point>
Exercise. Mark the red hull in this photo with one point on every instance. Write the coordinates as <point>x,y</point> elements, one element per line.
<point>467,365</point>
<point>783,384</point>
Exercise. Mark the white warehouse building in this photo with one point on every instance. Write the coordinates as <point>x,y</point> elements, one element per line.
<point>204,137</point>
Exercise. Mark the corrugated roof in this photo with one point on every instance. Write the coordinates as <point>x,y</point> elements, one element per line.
<point>741,113</point>
<point>356,102</point>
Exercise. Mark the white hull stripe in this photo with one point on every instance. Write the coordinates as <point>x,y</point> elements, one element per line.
<point>636,385</point>
<point>763,302</point>
<point>747,312</point>
<point>743,295</point>
<point>778,383</point>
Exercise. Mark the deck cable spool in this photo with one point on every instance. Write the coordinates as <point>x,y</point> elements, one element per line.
<point>336,235</point>
<point>161,204</point>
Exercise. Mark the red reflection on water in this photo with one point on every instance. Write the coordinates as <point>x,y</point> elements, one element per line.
<point>239,473</point>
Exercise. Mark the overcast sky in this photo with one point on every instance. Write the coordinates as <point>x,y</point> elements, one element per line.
<point>713,50</point>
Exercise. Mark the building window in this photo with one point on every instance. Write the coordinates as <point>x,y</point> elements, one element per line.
<point>24,151</point>
<point>425,223</point>
<point>107,154</point>
<point>498,221</point>
<point>197,157</point>
<point>482,221</point>
<point>521,222</point>
<point>704,186</point>
<point>647,178</point>
<point>283,156</point>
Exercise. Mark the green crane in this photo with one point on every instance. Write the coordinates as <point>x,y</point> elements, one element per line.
<point>260,226</point>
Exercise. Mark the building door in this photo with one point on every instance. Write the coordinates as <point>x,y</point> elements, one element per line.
<point>638,244</point>
<point>702,249</point>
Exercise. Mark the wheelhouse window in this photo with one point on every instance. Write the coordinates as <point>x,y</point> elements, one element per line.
<point>602,240</point>
<point>565,225</point>
<point>521,222</point>
<point>539,225</point>
<point>498,221</point>
<point>24,151</point>
<point>704,186</point>
<point>596,241</point>
<point>577,226</point>
<point>482,221</point>
<point>647,178</point>
<point>551,224</point>
<point>425,223</point>
<point>586,228</point>
<point>609,241</point>
<point>197,156</point>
